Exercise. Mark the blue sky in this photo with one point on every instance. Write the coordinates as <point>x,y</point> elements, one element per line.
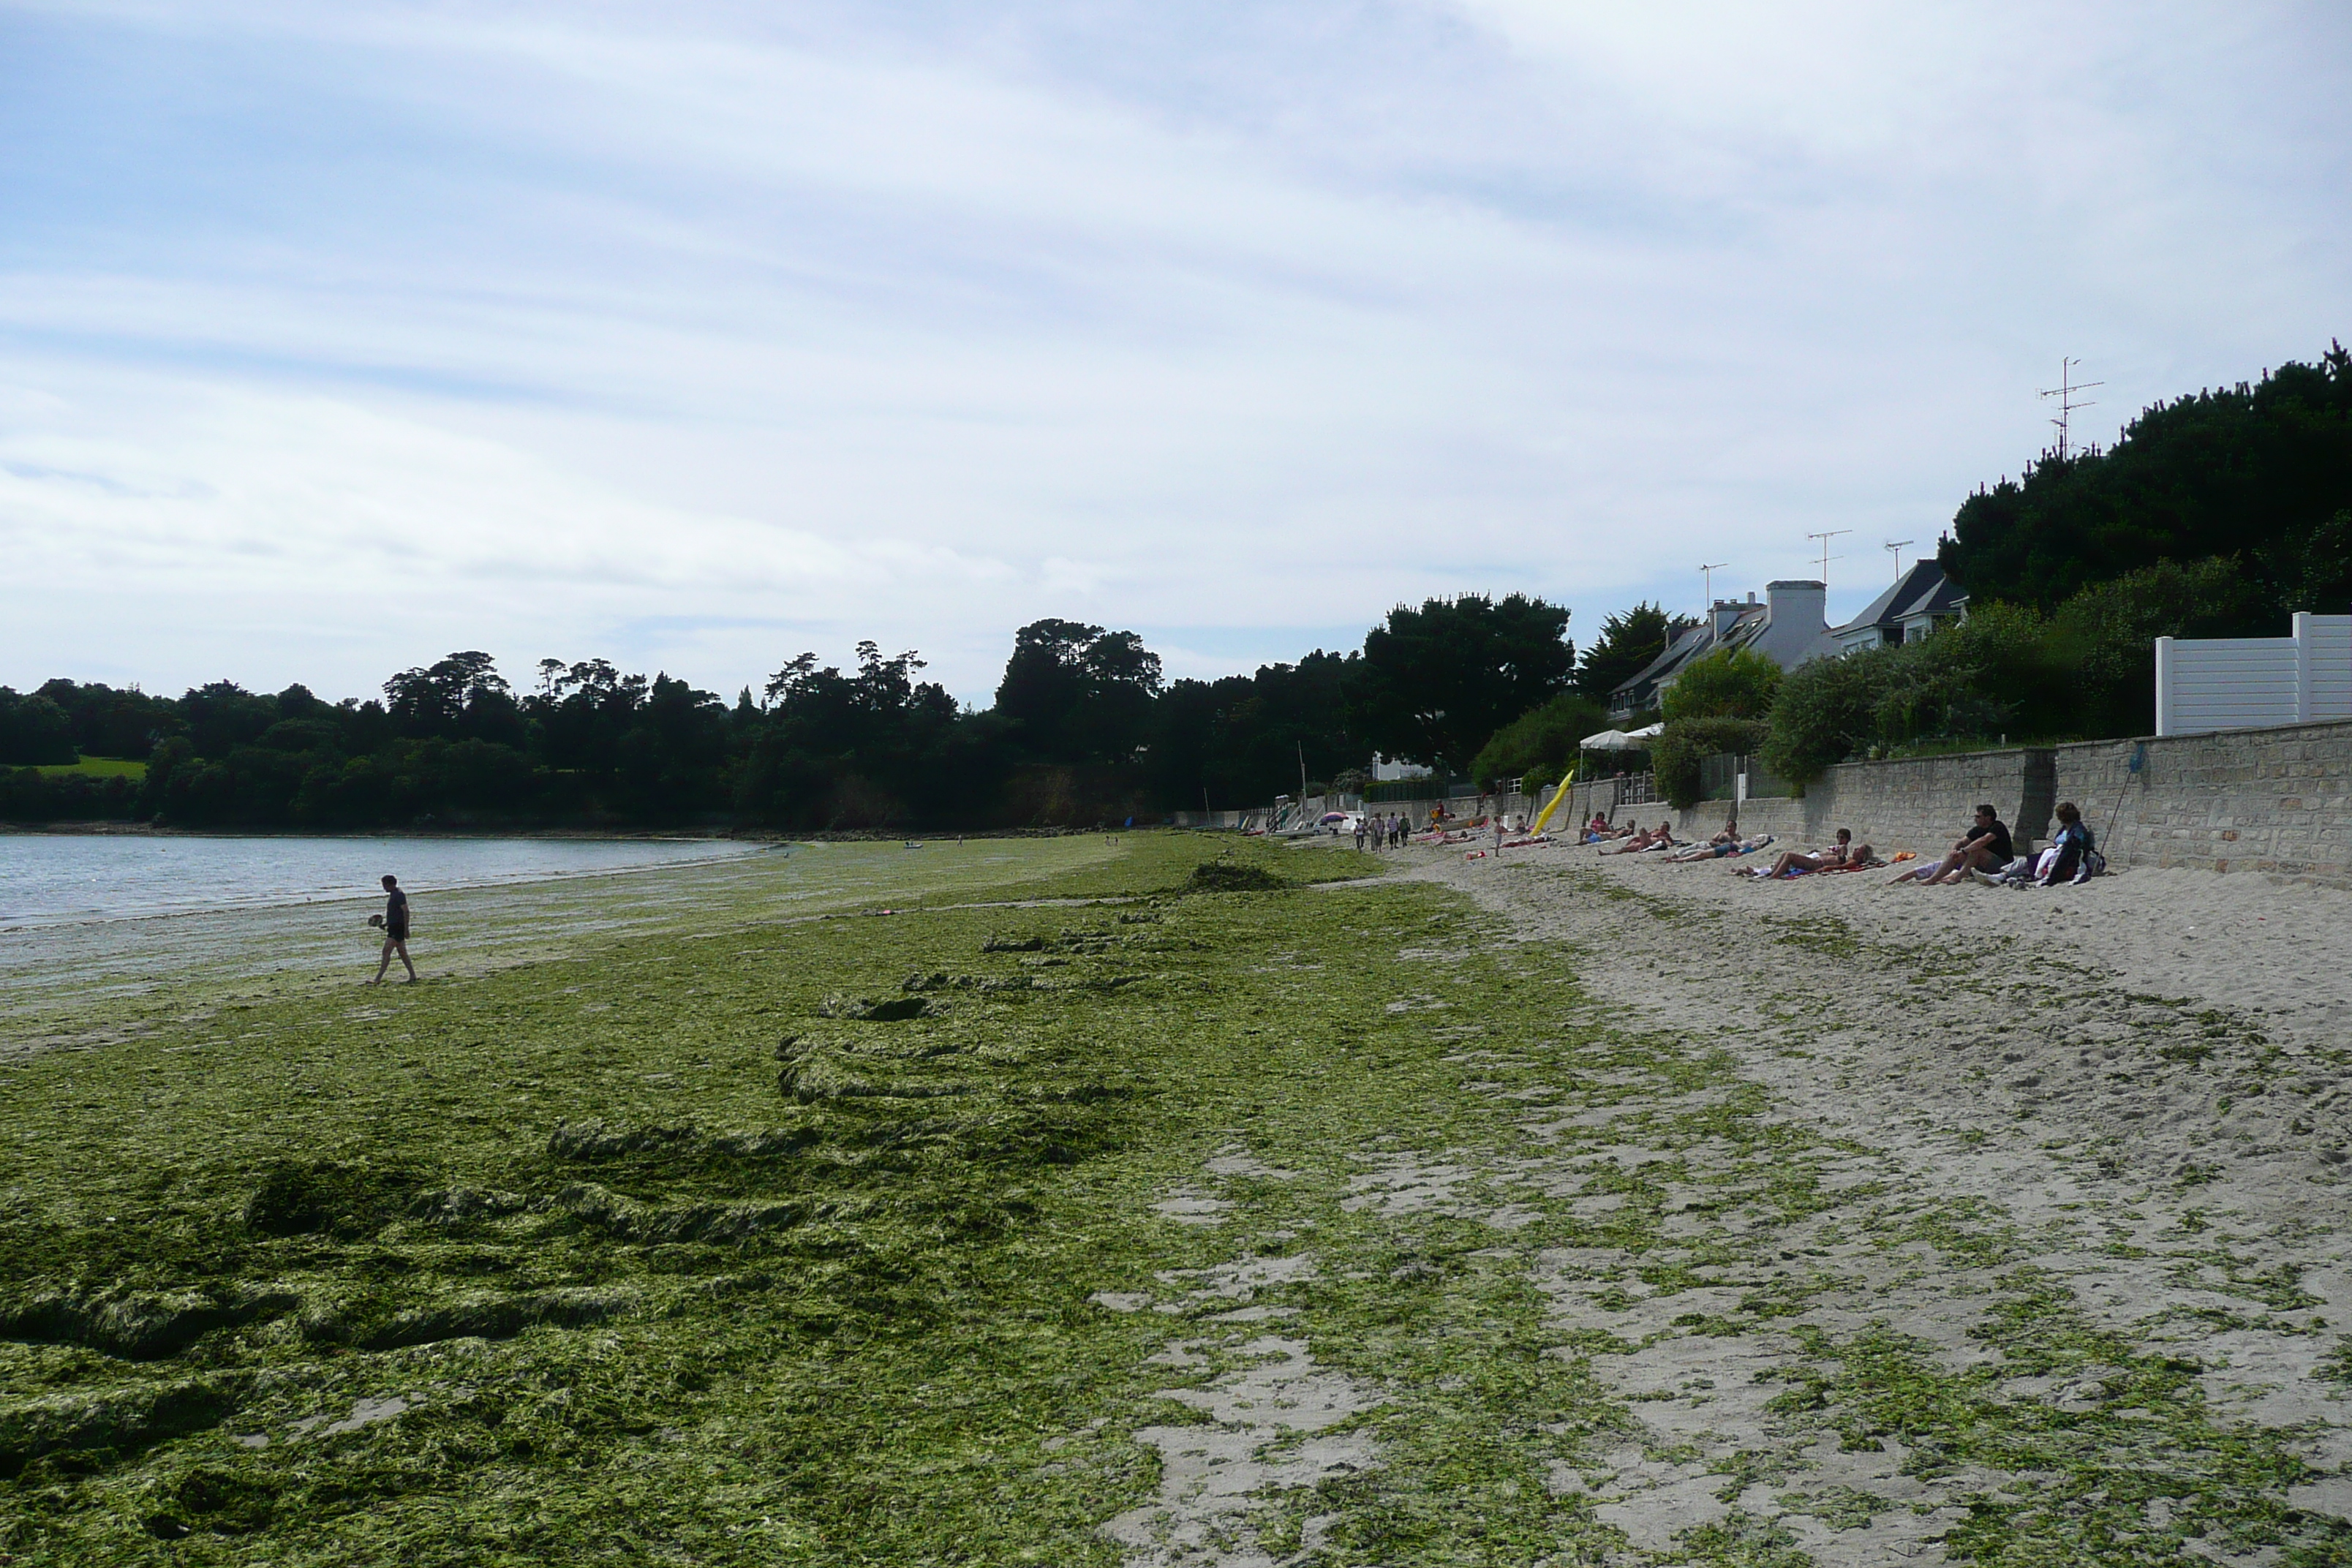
<point>335,338</point>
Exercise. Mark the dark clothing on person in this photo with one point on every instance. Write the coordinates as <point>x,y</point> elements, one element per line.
<point>2074,841</point>
<point>396,915</point>
<point>1999,849</point>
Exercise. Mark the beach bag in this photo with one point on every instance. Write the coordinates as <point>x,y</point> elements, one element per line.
<point>2094,865</point>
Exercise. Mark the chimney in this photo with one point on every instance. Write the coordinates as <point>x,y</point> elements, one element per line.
<point>1723,614</point>
<point>1798,618</point>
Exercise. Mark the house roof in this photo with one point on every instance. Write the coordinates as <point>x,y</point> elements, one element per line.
<point>1923,590</point>
<point>1683,646</point>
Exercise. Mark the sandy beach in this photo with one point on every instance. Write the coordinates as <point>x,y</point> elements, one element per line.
<point>2141,1080</point>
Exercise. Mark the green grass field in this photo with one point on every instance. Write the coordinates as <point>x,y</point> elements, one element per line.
<point>98,767</point>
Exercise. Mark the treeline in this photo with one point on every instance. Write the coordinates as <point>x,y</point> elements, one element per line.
<point>1084,729</point>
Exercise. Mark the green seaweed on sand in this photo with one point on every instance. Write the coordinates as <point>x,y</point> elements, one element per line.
<point>759,1236</point>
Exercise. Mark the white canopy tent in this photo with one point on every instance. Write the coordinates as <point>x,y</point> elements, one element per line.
<point>1623,740</point>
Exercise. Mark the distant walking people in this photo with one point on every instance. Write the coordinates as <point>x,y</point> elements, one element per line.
<point>395,921</point>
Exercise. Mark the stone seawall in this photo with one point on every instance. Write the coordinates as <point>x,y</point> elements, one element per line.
<point>2277,800</point>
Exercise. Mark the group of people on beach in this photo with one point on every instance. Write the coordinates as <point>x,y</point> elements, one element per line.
<point>1383,832</point>
<point>1983,853</point>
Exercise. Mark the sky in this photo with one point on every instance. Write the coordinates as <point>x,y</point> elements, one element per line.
<point>335,338</point>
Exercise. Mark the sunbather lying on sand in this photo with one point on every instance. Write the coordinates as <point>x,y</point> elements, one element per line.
<point>1717,851</point>
<point>1836,853</point>
<point>1844,856</point>
<point>1645,839</point>
<point>1730,834</point>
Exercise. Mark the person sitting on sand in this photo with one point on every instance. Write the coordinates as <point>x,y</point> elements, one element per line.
<point>1730,834</point>
<point>1986,843</point>
<point>1838,854</point>
<point>2069,848</point>
<point>395,921</point>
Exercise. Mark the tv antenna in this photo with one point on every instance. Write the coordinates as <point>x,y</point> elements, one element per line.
<point>2065,392</point>
<point>1706,581</point>
<point>1895,547</point>
<point>1826,556</point>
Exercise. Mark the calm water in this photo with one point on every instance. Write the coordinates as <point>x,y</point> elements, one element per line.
<point>56,879</point>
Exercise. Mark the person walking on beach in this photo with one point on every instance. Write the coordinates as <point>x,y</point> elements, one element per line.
<point>396,931</point>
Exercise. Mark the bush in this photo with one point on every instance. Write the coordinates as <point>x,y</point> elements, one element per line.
<point>1825,713</point>
<point>1729,683</point>
<point>1541,742</point>
<point>1686,742</point>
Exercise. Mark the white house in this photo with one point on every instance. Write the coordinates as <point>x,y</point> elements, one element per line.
<point>1922,599</point>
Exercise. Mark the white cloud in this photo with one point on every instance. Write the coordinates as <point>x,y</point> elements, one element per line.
<point>701,335</point>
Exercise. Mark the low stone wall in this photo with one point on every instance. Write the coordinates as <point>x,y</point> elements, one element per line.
<point>2276,800</point>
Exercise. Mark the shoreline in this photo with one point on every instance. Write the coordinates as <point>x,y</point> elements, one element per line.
<point>84,921</point>
<point>152,830</point>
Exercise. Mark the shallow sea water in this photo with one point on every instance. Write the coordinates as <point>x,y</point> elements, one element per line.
<point>54,878</point>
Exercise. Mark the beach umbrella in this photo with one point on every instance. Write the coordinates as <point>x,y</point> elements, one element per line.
<point>1608,741</point>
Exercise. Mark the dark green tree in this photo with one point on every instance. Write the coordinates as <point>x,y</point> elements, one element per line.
<point>33,731</point>
<point>1435,683</point>
<point>107,722</point>
<point>1628,641</point>
<point>462,696</point>
<point>223,715</point>
<point>1246,738</point>
<point>1074,693</point>
<point>2262,470</point>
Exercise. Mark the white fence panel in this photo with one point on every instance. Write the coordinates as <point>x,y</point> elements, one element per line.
<point>2242,683</point>
<point>2329,638</point>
